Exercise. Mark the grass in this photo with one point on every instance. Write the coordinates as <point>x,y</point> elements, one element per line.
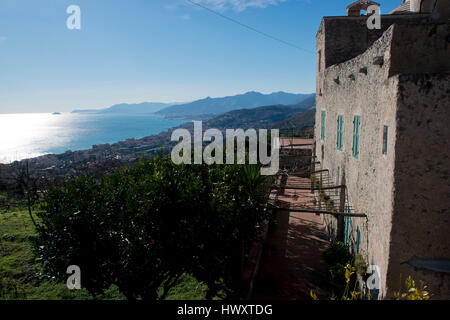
<point>20,272</point>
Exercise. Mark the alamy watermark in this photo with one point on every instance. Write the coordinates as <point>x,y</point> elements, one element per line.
<point>74,280</point>
<point>213,152</point>
<point>373,282</point>
<point>74,20</point>
<point>374,17</point>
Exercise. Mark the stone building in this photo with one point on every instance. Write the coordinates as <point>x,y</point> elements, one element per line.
<point>382,130</point>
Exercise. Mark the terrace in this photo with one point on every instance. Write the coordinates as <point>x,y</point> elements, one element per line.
<point>291,263</point>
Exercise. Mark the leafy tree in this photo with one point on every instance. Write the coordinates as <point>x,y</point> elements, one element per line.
<point>141,228</point>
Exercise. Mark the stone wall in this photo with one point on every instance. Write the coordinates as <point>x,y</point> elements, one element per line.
<point>420,238</point>
<point>343,38</point>
<point>420,48</point>
<point>373,86</point>
<point>360,87</point>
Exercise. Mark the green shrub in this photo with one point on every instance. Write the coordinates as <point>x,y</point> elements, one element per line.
<point>143,228</point>
<point>338,253</point>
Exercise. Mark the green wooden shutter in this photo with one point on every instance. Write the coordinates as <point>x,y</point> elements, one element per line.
<point>356,125</point>
<point>322,132</point>
<point>354,135</point>
<point>340,130</point>
<point>357,136</point>
<point>337,135</point>
<point>347,226</point>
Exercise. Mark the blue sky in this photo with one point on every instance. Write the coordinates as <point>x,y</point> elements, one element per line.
<point>154,50</point>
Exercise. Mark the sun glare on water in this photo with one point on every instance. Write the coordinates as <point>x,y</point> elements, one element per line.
<point>30,135</point>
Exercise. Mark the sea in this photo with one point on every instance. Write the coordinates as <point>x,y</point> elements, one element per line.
<point>28,135</point>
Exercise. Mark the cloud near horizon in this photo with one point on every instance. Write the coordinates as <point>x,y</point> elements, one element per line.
<point>237,5</point>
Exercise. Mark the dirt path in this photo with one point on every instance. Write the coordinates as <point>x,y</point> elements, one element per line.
<point>292,262</point>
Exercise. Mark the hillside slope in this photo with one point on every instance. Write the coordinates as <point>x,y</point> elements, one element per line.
<point>214,106</point>
<point>252,118</point>
<point>299,121</point>
<point>307,103</point>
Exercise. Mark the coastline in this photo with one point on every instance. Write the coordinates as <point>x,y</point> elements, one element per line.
<point>31,135</point>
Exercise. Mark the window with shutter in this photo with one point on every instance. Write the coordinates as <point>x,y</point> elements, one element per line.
<point>385,138</point>
<point>356,127</point>
<point>322,129</point>
<point>347,226</point>
<point>340,130</point>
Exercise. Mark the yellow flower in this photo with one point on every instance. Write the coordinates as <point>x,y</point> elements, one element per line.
<point>348,272</point>
<point>354,295</point>
<point>313,295</point>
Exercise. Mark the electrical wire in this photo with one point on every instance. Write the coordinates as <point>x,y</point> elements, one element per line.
<point>249,27</point>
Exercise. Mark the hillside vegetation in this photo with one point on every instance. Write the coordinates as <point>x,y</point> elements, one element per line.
<point>21,274</point>
<point>152,231</point>
<point>299,121</point>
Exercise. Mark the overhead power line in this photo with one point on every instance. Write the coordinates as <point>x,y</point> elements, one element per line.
<point>248,27</point>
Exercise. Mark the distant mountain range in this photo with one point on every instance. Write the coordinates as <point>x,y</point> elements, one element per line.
<point>279,116</point>
<point>215,106</point>
<point>144,107</point>
<point>205,107</point>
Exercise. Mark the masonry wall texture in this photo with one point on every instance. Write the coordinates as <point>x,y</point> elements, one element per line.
<point>344,38</point>
<point>369,179</point>
<point>421,219</point>
<point>396,77</point>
